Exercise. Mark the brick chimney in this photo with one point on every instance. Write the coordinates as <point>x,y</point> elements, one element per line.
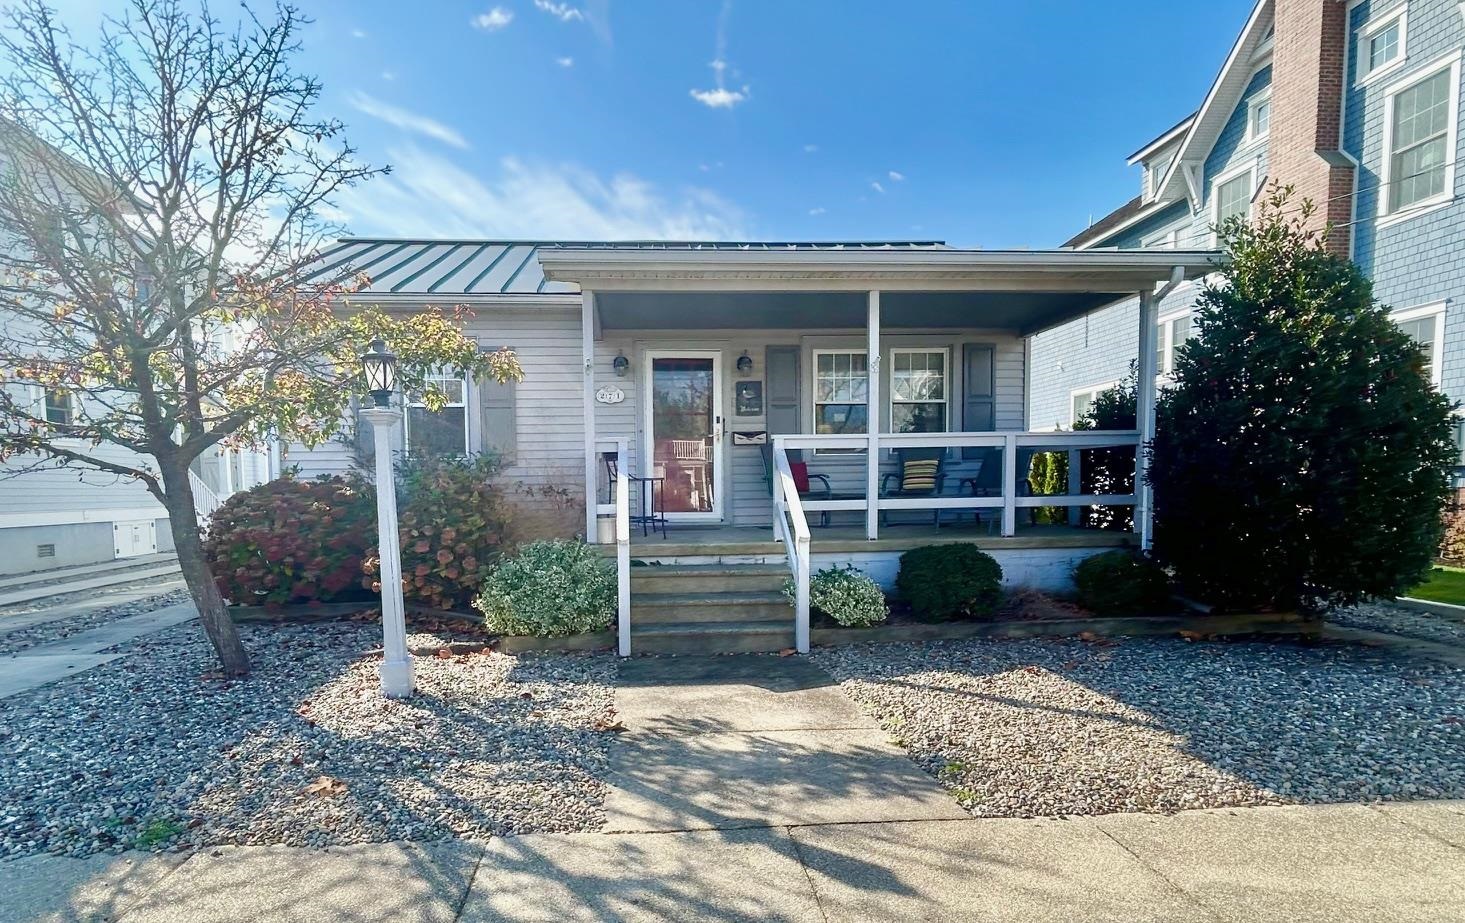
<point>1309,65</point>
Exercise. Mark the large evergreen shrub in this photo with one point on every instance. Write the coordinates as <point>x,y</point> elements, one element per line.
<point>956,581</point>
<point>1301,457</point>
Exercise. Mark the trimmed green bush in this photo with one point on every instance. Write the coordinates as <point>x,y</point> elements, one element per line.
<point>291,541</point>
<point>1120,582</point>
<point>549,590</point>
<point>845,594</point>
<point>942,582</point>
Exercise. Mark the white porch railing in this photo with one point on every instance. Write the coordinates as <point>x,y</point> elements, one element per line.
<point>791,527</point>
<point>620,508</point>
<point>205,501</point>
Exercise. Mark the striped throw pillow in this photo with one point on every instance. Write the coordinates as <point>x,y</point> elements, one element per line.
<point>919,474</point>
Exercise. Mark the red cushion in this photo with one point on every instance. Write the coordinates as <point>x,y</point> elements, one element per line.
<point>800,471</point>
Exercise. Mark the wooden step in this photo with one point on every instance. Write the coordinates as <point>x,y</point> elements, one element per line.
<point>739,637</point>
<point>726,606</point>
<point>705,578</point>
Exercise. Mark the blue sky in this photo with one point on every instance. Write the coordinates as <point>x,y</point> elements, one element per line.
<point>992,124</point>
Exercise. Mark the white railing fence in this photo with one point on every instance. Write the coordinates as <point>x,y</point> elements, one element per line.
<point>792,528</point>
<point>205,501</point>
<point>620,509</point>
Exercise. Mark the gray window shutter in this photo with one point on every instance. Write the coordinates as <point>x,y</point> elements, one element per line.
<point>979,392</point>
<point>781,388</point>
<point>497,419</point>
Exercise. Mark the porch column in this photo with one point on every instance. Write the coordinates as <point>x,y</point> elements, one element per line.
<point>872,418</point>
<point>1144,512</point>
<point>587,353</point>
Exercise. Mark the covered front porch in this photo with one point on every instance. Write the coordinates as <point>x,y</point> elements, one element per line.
<point>825,403</point>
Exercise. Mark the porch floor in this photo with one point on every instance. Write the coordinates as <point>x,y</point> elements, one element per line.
<point>699,540</point>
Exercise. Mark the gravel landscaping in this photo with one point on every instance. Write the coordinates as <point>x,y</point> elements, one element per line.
<point>1400,621</point>
<point>60,629</point>
<point>155,751</point>
<point>1034,728</point>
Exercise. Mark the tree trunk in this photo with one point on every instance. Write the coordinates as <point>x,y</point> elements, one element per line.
<point>191,560</point>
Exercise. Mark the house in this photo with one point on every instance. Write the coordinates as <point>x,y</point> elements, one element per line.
<point>53,517</point>
<point>1356,104</point>
<point>723,372</point>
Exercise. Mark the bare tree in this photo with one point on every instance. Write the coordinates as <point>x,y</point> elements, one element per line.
<point>161,195</point>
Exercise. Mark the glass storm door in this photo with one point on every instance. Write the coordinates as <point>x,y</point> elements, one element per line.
<point>684,432</point>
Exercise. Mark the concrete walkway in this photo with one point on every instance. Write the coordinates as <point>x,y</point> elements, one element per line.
<point>46,663</point>
<point>750,788</point>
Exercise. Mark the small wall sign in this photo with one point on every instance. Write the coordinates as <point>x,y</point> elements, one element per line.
<point>749,398</point>
<point>610,395</point>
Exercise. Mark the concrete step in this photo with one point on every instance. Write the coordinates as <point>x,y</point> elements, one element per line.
<point>705,578</point>
<point>83,571</point>
<point>664,608</point>
<point>739,637</point>
<point>59,587</point>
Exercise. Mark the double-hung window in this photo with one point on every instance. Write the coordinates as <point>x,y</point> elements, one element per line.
<point>59,406</point>
<point>1081,401</point>
<point>1259,115</point>
<point>1426,324</point>
<point>1379,44</point>
<point>919,390</point>
<point>1173,332</point>
<point>1231,196</point>
<point>841,391</point>
<point>442,432</point>
<point>1419,140</point>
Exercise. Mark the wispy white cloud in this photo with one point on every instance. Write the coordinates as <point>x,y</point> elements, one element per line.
<point>897,177</point>
<point>811,148</point>
<point>494,20</point>
<point>561,11</point>
<point>406,120</point>
<point>566,61</point>
<point>358,33</point>
<point>428,195</point>
<point>817,211</point>
<point>720,97</point>
<point>877,187</point>
<point>388,76</point>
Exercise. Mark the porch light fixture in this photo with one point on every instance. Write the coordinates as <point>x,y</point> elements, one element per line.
<point>621,364</point>
<point>380,366</point>
<point>745,363</point>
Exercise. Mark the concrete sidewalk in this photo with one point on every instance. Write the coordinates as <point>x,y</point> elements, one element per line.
<point>46,663</point>
<point>1326,863</point>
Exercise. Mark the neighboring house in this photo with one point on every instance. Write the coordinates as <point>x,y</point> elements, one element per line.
<point>703,364</point>
<point>58,517</point>
<point>1355,104</point>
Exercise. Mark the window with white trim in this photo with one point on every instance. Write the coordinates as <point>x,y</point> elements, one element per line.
<point>1426,325</point>
<point>1419,140</point>
<point>1231,196</point>
<point>919,390</point>
<point>1081,401</point>
<point>841,391</point>
<point>1172,332</point>
<point>441,432</point>
<point>58,405</point>
<point>1157,170</point>
<point>1165,240</point>
<point>1379,44</point>
<point>1259,115</point>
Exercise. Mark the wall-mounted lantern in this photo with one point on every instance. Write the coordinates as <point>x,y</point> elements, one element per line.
<point>621,364</point>
<point>745,363</point>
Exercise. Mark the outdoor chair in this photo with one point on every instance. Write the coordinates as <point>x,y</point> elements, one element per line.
<point>803,480</point>
<point>921,474</point>
<point>650,490</point>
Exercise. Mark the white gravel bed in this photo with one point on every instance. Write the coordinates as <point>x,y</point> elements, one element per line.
<point>1397,620</point>
<point>1042,728</point>
<point>154,751</point>
<point>60,629</point>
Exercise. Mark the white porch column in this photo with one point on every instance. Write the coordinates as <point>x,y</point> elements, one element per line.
<point>1144,511</point>
<point>587,353</point>
<point>872,418</point>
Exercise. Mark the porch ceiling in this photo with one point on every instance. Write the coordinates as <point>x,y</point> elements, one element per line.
<point>1024,290</point>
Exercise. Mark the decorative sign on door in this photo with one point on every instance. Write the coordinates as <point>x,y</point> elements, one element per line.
<point>610,395</point>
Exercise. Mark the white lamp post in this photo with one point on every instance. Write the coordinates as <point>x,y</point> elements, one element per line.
<point>381,374</point>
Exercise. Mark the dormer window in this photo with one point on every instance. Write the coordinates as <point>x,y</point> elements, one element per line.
<point>1259,115</point>
<point>1155,174</point>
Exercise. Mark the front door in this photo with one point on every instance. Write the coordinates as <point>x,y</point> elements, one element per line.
<point>684,431</point>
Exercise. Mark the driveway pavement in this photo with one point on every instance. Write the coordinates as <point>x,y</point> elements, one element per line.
<point>749,789</point>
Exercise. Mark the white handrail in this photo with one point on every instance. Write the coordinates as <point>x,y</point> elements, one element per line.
<point>792,528</point>
<point>205,501</point>
<point>621,509</point>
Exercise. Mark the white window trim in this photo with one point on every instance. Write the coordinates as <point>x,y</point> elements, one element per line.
<point>814,401</point>
<point>1261,96</point>
<point>1222,179</point>
<point>38,404</point>
<point>467,417</point>
<point>1163,335</point>
<point>1093,391</point>
<point>945,390</point>
<point>1435,309</point>
<point>1168,239</point>
<point>1376,24</point>
<point>1154,178</point>
<point>1446,195</point>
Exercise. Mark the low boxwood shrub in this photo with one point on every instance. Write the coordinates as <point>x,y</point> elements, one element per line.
<point>454,525</point>
<point>845,594</point>
<point>292,541</point>
<point>550,589</point>
<point>956,581</point>
<point>1121,582</point>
